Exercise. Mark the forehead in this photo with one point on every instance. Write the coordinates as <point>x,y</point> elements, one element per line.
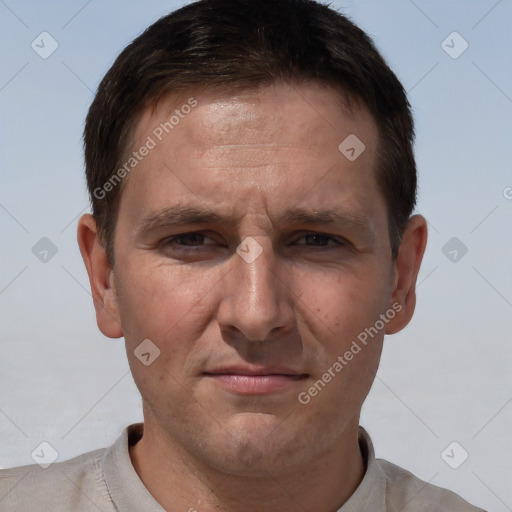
<point>278,111</point>
<point>257,149</point>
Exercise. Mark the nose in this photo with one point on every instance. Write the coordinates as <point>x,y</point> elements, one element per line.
<point>257,303</point>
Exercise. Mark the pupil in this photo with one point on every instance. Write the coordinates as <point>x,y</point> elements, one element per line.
<point>319,239</point>
<point>192,239</point>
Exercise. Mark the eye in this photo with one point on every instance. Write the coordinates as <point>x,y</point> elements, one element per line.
<point>320,240</point>
<point>192,247</point>
<point>186,242</point>
<point>187,239</point>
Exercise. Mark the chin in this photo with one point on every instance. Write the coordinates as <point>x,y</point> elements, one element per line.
<point>256,444</point>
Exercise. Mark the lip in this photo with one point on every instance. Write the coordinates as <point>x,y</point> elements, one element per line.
<point>253,380</point>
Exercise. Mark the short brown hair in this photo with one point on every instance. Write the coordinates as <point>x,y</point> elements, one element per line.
<point>248,43</point>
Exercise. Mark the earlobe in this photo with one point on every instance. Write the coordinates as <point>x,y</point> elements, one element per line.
<point>407,266</point>
<point>101,277</point>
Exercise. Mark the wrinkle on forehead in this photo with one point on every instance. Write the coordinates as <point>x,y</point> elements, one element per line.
<point>238,106</point>
<point>269,145</point>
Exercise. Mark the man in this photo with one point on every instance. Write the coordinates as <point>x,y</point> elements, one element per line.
<point>252,180</point>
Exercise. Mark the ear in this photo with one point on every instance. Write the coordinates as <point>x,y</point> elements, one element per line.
<point>407,266</point>
<point>101,278</point>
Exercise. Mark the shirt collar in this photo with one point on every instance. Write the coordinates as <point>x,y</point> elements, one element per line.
<point>126,489</point>
<point>370,496</point>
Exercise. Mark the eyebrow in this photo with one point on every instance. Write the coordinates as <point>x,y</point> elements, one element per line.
<point>352,222</point>
<point>180,215</point>
<point>185,215</point>
<point>326,216</point>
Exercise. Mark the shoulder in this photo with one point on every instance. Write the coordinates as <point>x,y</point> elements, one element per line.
<point>388,487</point>
<point>73,484</point>
<point>408,493</point>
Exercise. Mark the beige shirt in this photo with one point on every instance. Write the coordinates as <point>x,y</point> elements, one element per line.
<point>105,481</point>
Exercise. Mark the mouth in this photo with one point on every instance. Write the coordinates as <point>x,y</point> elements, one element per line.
<point>255,381</point>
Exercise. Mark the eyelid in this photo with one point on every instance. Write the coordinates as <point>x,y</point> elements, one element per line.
<point>210,238</point>
<point>336,238</point>
<point>171,238</point>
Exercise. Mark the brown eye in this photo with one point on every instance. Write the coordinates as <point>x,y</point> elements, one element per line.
<point>189,239</point>
<point>319,240</point>
<point>192,247</point>
<point>186,241</point>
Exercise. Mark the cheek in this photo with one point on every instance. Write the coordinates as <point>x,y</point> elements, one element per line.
<point>341,304</point>
<point>157,301</point>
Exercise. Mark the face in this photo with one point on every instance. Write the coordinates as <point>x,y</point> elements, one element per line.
<point>254,254</point>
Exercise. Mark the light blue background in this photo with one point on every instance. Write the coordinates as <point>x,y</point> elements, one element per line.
<point>445,378</point>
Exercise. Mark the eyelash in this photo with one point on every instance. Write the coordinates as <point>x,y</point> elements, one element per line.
<point>329,238</point>
<point>174,240</point>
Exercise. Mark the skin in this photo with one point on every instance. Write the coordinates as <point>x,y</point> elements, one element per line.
<point>252,158</point>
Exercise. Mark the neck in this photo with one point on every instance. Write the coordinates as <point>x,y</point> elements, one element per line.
<point>323,484</point>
